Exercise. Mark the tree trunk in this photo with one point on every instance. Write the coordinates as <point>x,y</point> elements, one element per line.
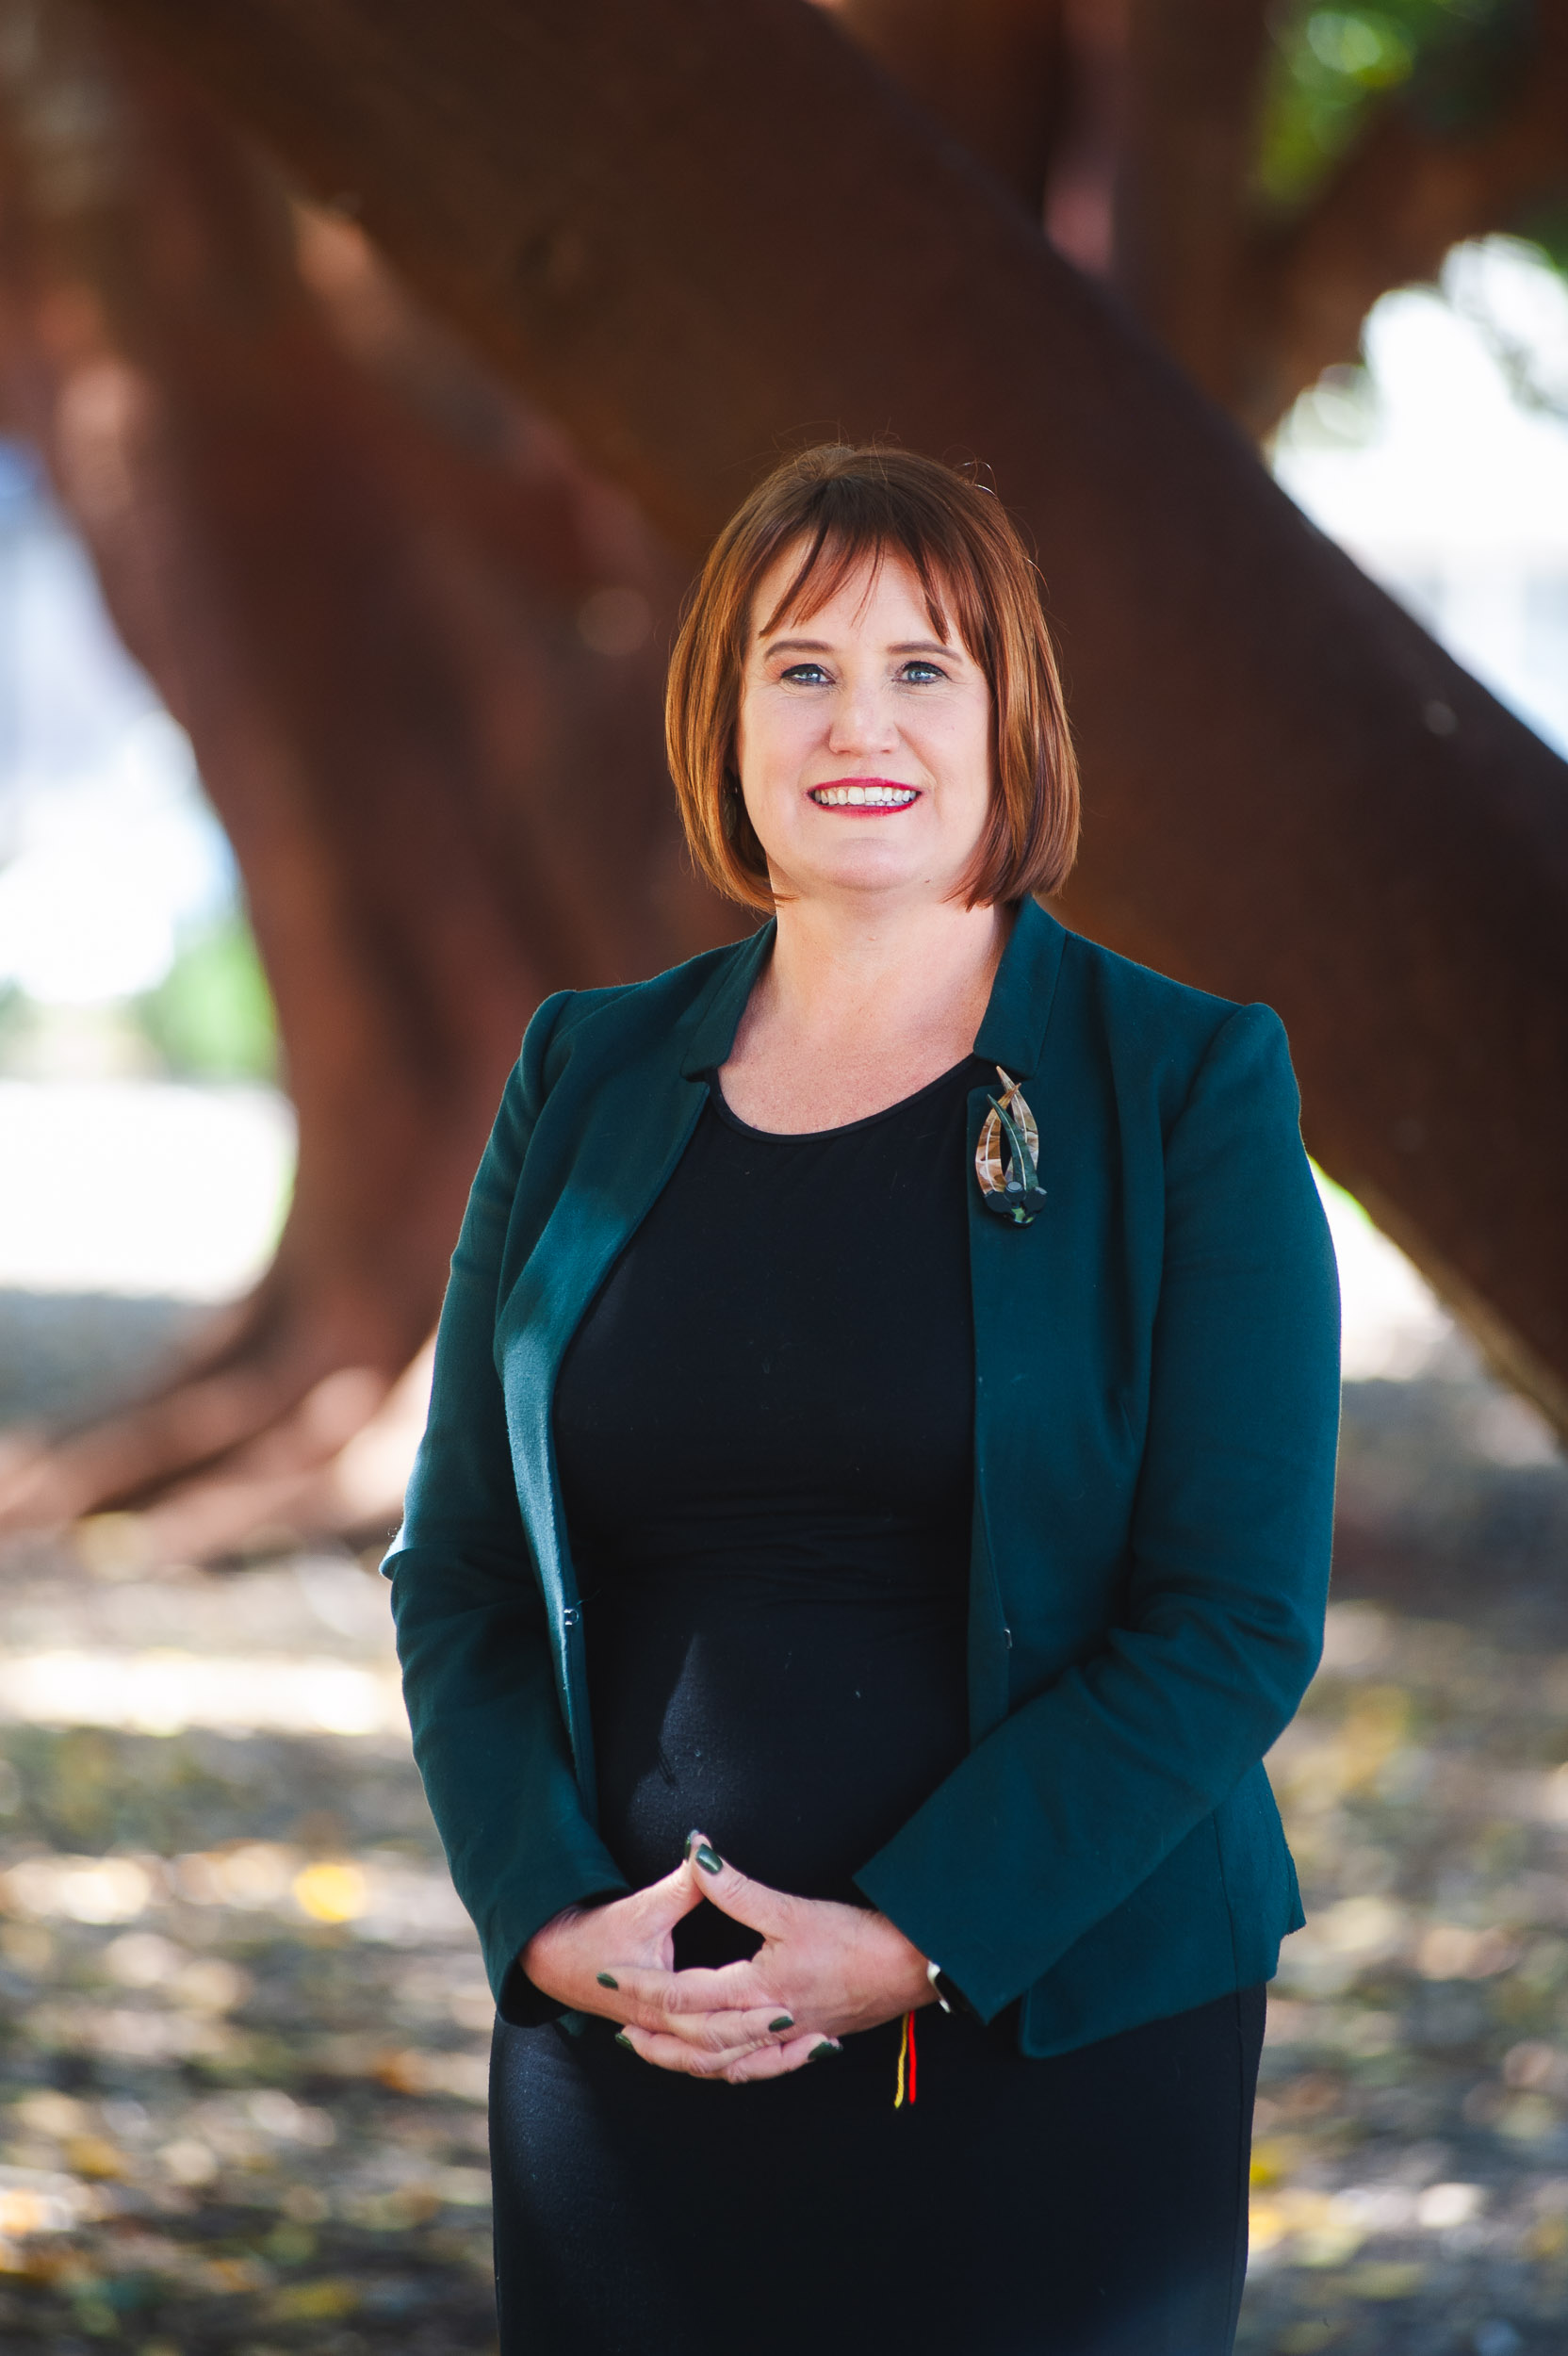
<point>1292,794</point>
<point>993,72</point>
<point>1195,82</point>
<point>423,690</point>
<point>1401,197</point>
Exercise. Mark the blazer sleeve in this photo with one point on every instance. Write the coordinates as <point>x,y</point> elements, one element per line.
<point>488,1733</point>
<point>1078,1795</point>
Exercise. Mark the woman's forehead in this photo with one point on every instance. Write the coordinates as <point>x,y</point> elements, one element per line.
<point>800,586</point>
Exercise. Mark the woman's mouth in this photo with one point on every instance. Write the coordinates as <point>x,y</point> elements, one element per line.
<point>863,794</point>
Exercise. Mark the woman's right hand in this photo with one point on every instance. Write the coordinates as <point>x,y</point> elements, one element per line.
<point>578,1958</point>
<point>573,1959</point>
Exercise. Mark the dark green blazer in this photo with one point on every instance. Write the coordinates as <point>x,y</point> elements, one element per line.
<point>1155,1416</point>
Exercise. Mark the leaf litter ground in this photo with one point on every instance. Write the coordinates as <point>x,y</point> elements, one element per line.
<point>245,2027</point>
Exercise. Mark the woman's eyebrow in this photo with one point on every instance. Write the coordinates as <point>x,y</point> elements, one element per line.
<point>821,645</point>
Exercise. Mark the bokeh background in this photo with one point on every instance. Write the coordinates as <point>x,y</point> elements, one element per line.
<point>245,2028</point>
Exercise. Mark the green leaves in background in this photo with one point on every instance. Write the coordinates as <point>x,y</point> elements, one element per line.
<point>211,1018</point>
<point>1455,60</point>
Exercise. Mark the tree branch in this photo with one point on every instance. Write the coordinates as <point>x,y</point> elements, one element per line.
<point>1195,73</point>
<point>444,796</point>
<point>1403,196</point>
<point>989,71</point>
<point>1294,795</point>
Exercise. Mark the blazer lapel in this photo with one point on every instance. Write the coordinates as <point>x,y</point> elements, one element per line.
<point>611,1145</point>
<point>1008,1265</point>
<point>1018,1013</point>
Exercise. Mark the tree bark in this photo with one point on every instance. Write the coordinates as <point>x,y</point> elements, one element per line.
<point>422,686</point>
<point>993,72</point>
<point>1140,120</point>
<point>1292,794</point>
<point>1195,79</point>
<point>1404,194</point>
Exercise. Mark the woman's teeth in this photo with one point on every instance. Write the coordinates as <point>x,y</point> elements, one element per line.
<point>863,797</point>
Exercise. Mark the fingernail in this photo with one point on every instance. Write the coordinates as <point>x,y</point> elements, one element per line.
<point>691,1840</point>
<point>608,1979</point>
<point>818,2051</point>
<point>710,1859</point>
<point>785,2021</point>
<point>622,2039</point>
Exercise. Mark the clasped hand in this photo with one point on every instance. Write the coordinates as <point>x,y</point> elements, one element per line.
<point>821,1972</point>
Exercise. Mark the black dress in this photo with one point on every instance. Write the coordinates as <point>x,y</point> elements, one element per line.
<point>763,1430</point>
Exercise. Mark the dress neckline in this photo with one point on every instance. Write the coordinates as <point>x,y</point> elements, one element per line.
<point>842,1129</point>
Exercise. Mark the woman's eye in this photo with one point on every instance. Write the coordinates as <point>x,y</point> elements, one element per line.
<point>921,674</point>
<point>803,675</point>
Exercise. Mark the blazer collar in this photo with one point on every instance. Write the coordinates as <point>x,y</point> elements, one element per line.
<point>717,1017</point>
<point>1012,1031</point>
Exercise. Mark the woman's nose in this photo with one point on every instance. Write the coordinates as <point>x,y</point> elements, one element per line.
<point>862,722</point>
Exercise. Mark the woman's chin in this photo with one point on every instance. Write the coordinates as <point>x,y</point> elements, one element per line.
<point>865,870</point>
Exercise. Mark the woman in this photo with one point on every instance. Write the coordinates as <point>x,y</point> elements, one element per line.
<point>884,1420</point>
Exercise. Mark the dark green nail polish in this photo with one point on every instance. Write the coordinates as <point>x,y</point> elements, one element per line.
<point>607,1979</point>
<point>818,2051</point>
<point>785,2021</point>
<point>710,1859</point>
<point>622,2039</point>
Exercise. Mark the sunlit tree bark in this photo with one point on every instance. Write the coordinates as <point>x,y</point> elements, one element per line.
<point>1402,196</point>
<point>385,597</point>
<point>1143,139</point>
<point>422,684</point>
<point>1292,794</point>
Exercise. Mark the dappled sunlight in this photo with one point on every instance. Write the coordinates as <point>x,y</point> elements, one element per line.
<point>201,1184</point>
<point>244,2101</point>
<point>245,2090</point>
<point>156,1692</point>
<point>1411,2164</point>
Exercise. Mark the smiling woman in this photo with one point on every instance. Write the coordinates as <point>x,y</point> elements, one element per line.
<point>796,595</point>
<point>950,1572</point>
<point>868,685</point>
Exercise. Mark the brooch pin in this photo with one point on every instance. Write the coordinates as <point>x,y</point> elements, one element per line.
<point>1006,1160</point>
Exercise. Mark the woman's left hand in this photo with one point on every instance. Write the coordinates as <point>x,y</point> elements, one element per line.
<point>832,1969</point>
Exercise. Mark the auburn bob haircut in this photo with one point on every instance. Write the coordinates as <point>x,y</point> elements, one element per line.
<point>840,507</point>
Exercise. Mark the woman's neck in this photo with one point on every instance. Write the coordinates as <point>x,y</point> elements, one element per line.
<point>854,1012</point>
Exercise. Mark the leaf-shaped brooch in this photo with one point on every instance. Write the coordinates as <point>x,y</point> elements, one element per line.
<point>1006,1160</point>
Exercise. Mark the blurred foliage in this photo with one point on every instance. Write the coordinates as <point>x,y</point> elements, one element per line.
<point>1547,228</point>
<point>1455,62</point>
<point>211,1018</point>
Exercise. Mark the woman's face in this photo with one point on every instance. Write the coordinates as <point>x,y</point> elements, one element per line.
<point>864,743</point>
